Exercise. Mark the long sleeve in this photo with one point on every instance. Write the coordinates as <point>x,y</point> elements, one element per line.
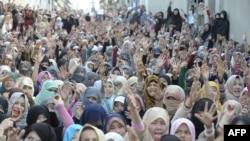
<point>114,57</point>
<point>181,79</point>
<point>66,118</point>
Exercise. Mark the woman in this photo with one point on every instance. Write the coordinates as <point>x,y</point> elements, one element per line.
<point>152,92</point>
<point>119,101</point>
<point>90,96</point>
<point>49,89</point>
<point>245,100</point>
<point>40,132</point>
<point>38,113</point>
<point>18,108</point>
<point>93,114</point>
<point>184,129</point>
<point>215,90</point>
<point>174,95</point>
<point>114,123</point>
<point>26,83</point>
<point>108,99</point>
<point>91,132</point>
<point>113,136</point>
<point>42,76</point>
<point>72,133</point>
<point>233,87</point>
<point>230,109</point>
<point>153,125</point>
<point>241,120</point>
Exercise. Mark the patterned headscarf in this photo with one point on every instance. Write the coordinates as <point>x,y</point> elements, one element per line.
<point>149,100</point>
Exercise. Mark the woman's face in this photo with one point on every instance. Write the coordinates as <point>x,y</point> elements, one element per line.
<point>237,87</point>
<point>215,92</point>
<point>154,90</point>
<point>245,99</point>
<point>28,90</point>
<point>116,125</point>
<point>108,89</point>
<point>9,83</point>
<point>92,99</point>
<point>32,136</point>
<point>183,133</point>
<point>45,77</point>
<point>89,135</point>
<point>157,129</point>
<point>18,107</point>
<point>118,106</point>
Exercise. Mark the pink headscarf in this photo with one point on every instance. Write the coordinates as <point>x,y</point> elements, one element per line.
<point>178,122</point>
<point>39,78</point>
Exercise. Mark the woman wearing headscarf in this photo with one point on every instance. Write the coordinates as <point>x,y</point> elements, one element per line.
<point>174,96</point>
<point>79,75</point>
<point>25,68</point>
<point>93,114</point>
<point>49,89</point>
<point>153,125</point>
<point>233,87</point>
<point>184,129</point>
<point>18,108</point>
<point>90,96</point>
<point>152,92</point>
<point>42,76</point>
<point>174,18</point>
<point>26,83</point>
<point>115,122</point>
<point>91,132</point>
<point>230,109</point>
<point>107,101</point>
<point>113,136</point>
<point>215,93</point>
<point>241,120</point>
<point>41,132</point>
<point>223,25</point>
<point>72,133</point>
<point>245,100</point>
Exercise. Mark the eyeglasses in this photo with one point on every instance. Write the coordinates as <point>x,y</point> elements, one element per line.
<point>53,90</point>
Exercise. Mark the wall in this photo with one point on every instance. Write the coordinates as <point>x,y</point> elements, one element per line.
<point>239,17</point>
<point>162,5</point>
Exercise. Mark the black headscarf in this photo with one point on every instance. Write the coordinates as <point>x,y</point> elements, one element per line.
<point>43,130</point>
<point>35,111</point>
<point>3,105</point>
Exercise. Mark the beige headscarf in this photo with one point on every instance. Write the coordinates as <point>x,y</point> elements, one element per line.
<point>237,109</point>
<point>100,134</point>
<point>173,91</point>
<point>154,113</point>
<point>229,87</point>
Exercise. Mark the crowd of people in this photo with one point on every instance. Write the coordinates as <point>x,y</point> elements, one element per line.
<point>127,75</point>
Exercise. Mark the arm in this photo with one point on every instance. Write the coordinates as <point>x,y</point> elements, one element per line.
<point>66,118</point>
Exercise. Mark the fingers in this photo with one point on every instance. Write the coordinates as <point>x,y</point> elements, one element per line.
<point>206,107</point>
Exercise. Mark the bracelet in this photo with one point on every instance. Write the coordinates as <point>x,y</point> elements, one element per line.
<point>209,134</point>
<point>209,130</point>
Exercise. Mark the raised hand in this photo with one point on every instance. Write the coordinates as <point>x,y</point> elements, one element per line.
<point>65,91</point>
<point>205,71</point>
<point>57,99</point>
<point>131,134</point>
<point>207,116</point>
